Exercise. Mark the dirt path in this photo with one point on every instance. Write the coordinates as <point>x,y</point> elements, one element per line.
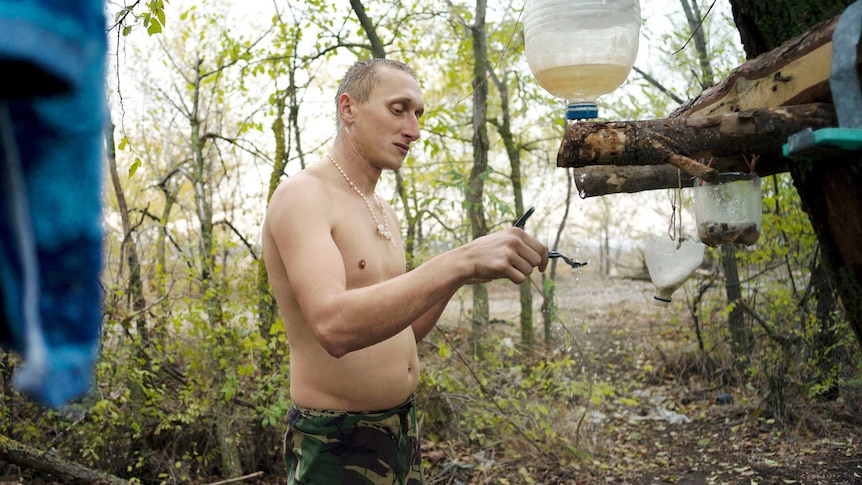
<point>666,427</point>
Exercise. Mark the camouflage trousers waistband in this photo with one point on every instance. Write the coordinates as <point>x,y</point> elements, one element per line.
<point>374,448</point>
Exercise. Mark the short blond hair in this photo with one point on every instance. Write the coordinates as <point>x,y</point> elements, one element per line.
<point>362,78</point>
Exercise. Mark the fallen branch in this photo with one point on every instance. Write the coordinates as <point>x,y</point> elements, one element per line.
<point>45,463</point>
<point>785,342</point>
<point>238,479</point>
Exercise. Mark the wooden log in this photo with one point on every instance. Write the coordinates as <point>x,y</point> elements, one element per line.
<point>600,180</point>
<point>681,141</point>
<point>47,464</point>
<point>795,73</point>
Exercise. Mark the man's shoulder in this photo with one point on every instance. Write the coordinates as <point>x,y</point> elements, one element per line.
<point>299,197</point>
<point>300,187</point>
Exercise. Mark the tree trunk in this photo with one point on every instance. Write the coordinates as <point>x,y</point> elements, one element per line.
<point>378,50</point>
<point>733,289</point>
<point>228,441</point>
<point>736,317</point>
<point>765,25</point>
<point>549,277</point>
<point>831,192</point>
<point>135,287</point>
<point>200,178</point>
<point>826,339</point>
<point>476,183</point>
<point>504,129</point>
<point>267,309</point>
<point>169,191</point>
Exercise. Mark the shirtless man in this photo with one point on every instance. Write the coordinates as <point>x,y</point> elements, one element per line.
<point>352,313</point>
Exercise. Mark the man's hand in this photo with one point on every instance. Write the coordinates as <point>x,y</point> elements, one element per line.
<point>511,254</point>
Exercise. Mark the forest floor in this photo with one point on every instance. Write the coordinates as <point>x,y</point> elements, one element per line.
<point>666,425</point>
<point>663,423</point>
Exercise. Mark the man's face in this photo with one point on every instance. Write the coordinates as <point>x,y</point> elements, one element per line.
<point>386,125</point>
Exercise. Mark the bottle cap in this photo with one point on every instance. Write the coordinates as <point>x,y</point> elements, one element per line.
<point>582,111</point>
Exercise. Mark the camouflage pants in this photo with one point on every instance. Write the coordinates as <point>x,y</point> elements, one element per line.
<point>335,447</point>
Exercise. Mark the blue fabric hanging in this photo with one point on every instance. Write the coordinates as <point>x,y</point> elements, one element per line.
<point>52,114</point>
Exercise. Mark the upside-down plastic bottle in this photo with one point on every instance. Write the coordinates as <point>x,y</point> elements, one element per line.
<point>670,264</point>
<point>579,50</point>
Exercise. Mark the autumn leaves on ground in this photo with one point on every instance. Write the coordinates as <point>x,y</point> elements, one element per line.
<point>626,397</point>
<point>629,393</point>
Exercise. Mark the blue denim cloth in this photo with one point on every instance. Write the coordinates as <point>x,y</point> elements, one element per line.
<point>52,115</point>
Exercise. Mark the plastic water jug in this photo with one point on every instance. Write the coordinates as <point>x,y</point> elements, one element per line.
<point>579,50</point>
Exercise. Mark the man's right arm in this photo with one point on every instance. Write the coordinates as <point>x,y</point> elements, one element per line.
<point>300,222</point>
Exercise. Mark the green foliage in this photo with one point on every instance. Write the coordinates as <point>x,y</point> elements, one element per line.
<point>152,415</point>
<point>513,403</point>
<point>194,357</point>
<point>681,73</point>
<point>153,19</point>
<point>797,351</point>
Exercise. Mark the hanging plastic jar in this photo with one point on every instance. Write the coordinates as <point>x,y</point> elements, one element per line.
<point>728,209</point>
<point>579,50</point>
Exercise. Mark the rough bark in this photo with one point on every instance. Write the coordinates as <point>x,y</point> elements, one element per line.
<point>829,190</point>
<point>48,464</point>
<point>831,194</point>
<point>827,337</point>
<point>267,310</point>
<point>725,142</point>
<point>200,175</point>
<point>795,72</point>
<point>764,25</point>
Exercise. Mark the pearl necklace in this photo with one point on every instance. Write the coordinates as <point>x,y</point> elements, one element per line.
<point>382,229</point>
